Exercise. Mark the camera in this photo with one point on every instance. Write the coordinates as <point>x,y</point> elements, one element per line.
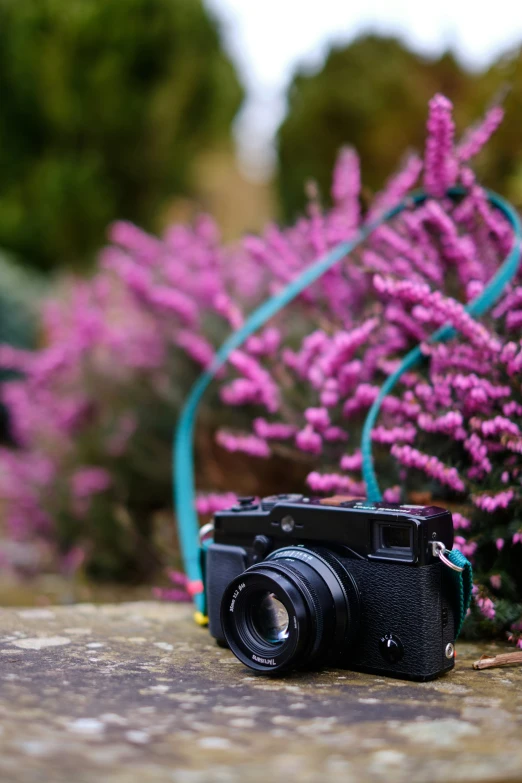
<point>302,583</point>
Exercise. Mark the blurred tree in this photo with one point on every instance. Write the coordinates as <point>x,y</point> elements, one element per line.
<point>500,163</point>
<point>105,104</point>
<point>371,94</point>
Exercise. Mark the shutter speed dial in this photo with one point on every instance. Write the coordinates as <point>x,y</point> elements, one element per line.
<point>391,648</point>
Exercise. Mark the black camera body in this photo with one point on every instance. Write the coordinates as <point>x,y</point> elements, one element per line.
<point>297,582</point>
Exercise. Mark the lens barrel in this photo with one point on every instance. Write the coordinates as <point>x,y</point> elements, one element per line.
<point>298,608</point>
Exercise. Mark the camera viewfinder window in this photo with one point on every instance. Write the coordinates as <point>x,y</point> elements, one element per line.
<point>396,537</point>
<point>393,540</point>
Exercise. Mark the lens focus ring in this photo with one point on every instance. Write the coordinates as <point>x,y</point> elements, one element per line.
<point>350,587</point>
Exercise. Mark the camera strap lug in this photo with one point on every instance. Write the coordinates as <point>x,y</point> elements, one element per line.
<point>206,532</point>
<point>439,550</point>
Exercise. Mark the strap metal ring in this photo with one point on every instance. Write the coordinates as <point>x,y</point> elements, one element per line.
<point>439,550</point>
<point>206,532</point>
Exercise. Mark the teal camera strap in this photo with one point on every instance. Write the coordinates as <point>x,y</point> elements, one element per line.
<point>183,449</point>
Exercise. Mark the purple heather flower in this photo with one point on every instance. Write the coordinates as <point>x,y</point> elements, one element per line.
<point>351,461</point>
<point>364,396</point>
<point>134,240</point>
<point>346,187</point>
<point>444,310</point>
<point>477,137</point>
<point>468,548</point>
<point>392,494</point>
<point>404,434</point>
<point>88,481</point>
<point>493,502</point>
<point>486,607</point>
<point>495,581</point>
<point>214,501</point>
<point>330,393</point>
<point>460,522</point>
<point>333,482</point>
<point>335,435</point>
<point>264,344</point>
<point>273,430</point>
<point>499,425</point>
<point>318,418</point>
<point>308,440</point>
<point>248,444</point>
<point>440,165</point>
<point>173,302</point>
<point>413,458</point>
<point>197,347</point>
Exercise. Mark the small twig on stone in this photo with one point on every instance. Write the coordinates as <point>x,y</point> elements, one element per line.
<point>488,661</point>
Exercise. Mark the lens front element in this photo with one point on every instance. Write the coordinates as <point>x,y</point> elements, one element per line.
<point>270,619</point>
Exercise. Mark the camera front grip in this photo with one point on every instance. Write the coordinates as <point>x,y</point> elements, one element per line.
<point>183,447</point>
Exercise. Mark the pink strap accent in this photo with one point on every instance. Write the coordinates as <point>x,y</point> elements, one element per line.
<point>195,587</point>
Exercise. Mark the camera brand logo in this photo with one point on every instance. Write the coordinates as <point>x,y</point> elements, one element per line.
<point>266,661</point>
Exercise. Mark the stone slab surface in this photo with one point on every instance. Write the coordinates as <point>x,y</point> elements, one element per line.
<point>137,692</point>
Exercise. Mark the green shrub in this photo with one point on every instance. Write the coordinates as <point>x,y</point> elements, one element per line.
<point>371,94</point>
<point>105,104</point>
<point>19,294</point>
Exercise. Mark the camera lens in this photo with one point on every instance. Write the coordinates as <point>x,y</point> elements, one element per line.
<point>269,618</point>
<point>299,607</point>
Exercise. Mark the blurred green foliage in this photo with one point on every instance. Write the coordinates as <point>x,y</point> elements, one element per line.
<point>105,104</point>
<point>20,292</point>
<point>372,94</point>
<point>500,163</point>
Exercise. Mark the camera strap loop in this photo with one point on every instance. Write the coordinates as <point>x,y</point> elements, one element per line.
<point>463,585</point>
<point>183,449</point>
<point>462,578</point>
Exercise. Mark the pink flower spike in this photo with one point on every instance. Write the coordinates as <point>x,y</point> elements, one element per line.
<point>317,418</point>
<point>440,165</point>
<point>493,502</point>
<point>308,440</point>
<point>347,185</point>
<point>392,494</point>
<point>495,581</point>
<point>90,481</point>
<point>335,435</point>
<point>479,135</point>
